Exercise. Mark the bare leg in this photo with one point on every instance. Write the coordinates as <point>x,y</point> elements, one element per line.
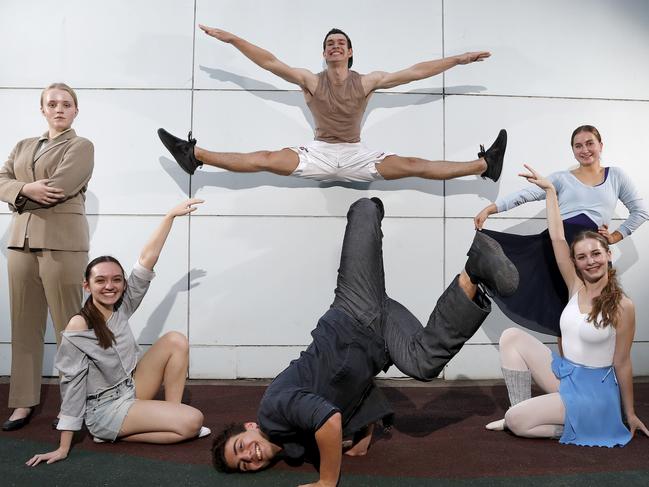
<point>282,162</point>
<point>538,417</point>
<point>165,362</point>
<point>160,422</point>
<point>396,167</point>
<point>467,286</point>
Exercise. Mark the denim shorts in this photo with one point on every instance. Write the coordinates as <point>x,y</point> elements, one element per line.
<point>106,411</point>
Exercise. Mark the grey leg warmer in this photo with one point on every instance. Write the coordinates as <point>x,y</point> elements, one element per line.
<point>519,385</point>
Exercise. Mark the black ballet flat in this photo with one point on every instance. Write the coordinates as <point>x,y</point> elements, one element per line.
<point>16,424</point>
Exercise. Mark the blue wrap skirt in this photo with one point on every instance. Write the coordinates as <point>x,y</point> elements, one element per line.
<point>591,397</point>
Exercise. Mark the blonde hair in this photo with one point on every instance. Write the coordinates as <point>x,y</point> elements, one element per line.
<point>60,86</point>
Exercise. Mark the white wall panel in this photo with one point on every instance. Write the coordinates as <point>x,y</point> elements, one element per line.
<point>630,260</point>
<point>134,173</point>
<point>249,275</point>
<point>212,362</point>
<point>296,33</point>
<point>640,358</point>
<point>5,318</point>
<point>164,308</point>
<point>539,131</point>
<point>147,43</point>
<point>48,369</point>
<point>477,362</point>
<point>580,48</point>
<point>267,281</point>
<point>5,359</point>
<point>25,121</point>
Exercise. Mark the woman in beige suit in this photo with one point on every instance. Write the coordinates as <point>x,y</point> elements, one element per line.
<point>44,182</point>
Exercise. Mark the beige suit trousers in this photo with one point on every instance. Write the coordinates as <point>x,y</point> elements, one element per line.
<point>39,280</point>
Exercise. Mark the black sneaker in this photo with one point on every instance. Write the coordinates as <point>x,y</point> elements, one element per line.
<point>494,156</point>
<point>488,264</point>
<point>181,150</point>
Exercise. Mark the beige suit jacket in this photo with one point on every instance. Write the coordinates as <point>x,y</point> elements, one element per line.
<point>68,162</point>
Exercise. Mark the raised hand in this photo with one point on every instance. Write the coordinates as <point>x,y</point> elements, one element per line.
<point>41,192</point>
<point>472,57</point>
<point>185,207</point>
<point>536,178</point>
<point>219,34</point>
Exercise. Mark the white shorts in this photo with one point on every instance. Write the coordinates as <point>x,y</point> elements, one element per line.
<point>344,162</point>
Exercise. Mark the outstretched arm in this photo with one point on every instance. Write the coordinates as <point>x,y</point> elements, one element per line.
<point>622,362</point>
<point>379,80</point>
<point>265,59</point>
<point>329,438</point>
<point>151,251</point>
<point>555,227</point>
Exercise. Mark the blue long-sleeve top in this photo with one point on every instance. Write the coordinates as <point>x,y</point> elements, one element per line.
<point>596,202</point>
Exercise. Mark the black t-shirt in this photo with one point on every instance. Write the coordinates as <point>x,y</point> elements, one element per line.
<point>335,374</point>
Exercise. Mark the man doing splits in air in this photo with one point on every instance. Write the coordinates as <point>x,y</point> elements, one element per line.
<point>337,98</point>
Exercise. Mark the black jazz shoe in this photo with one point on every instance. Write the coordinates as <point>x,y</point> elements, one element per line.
<point>494,156</point>
<point>181,150</point>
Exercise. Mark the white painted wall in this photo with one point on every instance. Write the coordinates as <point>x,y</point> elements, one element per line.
<point>248,276</point>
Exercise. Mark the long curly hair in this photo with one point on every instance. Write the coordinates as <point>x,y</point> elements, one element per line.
<point>606,306</point>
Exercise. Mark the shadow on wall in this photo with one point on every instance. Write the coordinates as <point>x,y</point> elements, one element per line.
<point>151,332</point>
<point>269,92</point>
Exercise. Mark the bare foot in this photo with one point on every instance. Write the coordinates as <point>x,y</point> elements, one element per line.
<point>496,425</point>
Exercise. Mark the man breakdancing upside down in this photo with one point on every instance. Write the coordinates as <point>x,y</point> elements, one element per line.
<point>329,391</point>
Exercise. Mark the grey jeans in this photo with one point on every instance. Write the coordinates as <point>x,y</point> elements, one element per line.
<point>419,352</point>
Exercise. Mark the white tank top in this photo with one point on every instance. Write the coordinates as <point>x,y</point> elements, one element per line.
<point>581,341</point>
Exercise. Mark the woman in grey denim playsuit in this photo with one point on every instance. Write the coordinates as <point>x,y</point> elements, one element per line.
<point>102,380</point>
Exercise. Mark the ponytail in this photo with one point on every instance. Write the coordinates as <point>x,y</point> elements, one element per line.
<point>607,303</point>
<point>92,315</point>
<point>96,322</point>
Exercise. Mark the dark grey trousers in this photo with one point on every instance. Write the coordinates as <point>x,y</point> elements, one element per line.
<point>419,352</point>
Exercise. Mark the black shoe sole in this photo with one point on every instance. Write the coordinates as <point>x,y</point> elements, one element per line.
<point>504,279</point>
